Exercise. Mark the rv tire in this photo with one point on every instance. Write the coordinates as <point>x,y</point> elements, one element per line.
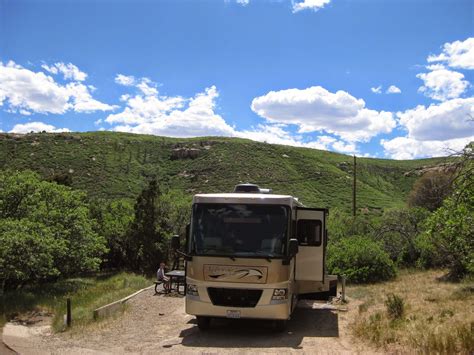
<point>203,322</point>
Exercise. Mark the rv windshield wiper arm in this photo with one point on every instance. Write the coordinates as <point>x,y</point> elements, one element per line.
<point>217,250</point>
<point>258,252</point>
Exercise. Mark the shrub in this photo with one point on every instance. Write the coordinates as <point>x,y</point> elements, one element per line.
<point>398,231</point>
<point>341,224</point>
<point>430,190</point>
<point>448,239</point>
<point>395,306</point>
<point>361,260</point>
<point>51,223</point>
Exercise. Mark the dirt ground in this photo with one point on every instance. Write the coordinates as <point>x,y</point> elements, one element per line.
<point>4,350</point>
<point>158,323</point>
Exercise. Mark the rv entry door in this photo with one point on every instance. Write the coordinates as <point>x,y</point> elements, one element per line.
<point>311,235</point>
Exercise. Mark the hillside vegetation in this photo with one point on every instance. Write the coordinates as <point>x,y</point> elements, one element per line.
<point>117,165</point>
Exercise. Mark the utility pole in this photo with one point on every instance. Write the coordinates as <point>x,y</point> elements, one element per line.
<point>354,180</point>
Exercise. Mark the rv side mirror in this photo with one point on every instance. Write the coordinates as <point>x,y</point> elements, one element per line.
<point>175,242</point>
<point>293,247</point>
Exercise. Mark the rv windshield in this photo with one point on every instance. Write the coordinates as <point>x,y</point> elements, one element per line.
<point>240,230</point>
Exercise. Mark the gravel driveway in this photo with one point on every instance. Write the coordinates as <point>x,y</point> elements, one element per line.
<point>157,323</point>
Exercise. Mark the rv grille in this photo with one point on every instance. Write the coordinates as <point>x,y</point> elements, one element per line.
<point>234,297</point>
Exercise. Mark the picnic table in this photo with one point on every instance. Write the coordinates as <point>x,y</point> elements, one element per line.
<point>177,277</point>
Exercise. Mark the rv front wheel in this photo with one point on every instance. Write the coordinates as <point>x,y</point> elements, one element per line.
<point>203,322</point>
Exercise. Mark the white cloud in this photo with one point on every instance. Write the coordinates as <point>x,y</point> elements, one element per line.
<point>148,87</point>
<point>376,90</point>
<point>149,113</point>
<point>436,130</point>
<point>36,127</point>
<point>69,71</point>
<point>145,85</point>
<point>243,2</point>
<point>126,80</point>
<point>316,109</point>
<point>275,134</point>
<point>409,148</point>
<point>393,90</point>
<point>441,83</point>
<point>24,91</point>
<point>444,121</point>
<point>82,101</point>
<point>314,5</point>
<point>458,54</point>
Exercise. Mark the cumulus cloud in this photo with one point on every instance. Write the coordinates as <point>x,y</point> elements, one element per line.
<point>442,84</point>
<point>150,113</point>
<point>24,91</point>
<point>447,120</point>
<point>435,130</point>
<point>36,127</point>
<point>243,2</point>
<point>69,71</point>
<point>393,90</point>
<point>376,90</point>
<point>314,5</point>
<point>409,148</point>
<point>316,109</point>
<point>458,54</point>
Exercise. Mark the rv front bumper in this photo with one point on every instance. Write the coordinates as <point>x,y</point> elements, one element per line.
<point>201,308</point>
<point>201,304</point>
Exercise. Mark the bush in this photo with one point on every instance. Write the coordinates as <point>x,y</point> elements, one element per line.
<point>50,224</point>
<point>448,240</point>
<point>342,225</point>
<point>27,252</point>
<point>430,190</point>
<point>395,306</point>
<point>398,231</point>
<point>361,260</point>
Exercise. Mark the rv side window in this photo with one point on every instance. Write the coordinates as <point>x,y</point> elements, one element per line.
<point>309,232</point>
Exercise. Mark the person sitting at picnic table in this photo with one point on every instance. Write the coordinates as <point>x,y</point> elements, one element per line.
<point>160,275</point>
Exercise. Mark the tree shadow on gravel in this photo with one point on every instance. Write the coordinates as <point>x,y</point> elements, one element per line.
<point>250,333</point>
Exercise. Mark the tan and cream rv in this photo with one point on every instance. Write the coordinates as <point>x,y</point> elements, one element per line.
<point>253,254</point>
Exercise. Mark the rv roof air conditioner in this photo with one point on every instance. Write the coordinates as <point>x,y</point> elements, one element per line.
<point>251,188</point>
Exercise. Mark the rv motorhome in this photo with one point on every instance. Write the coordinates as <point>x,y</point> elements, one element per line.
<point>253,254</point>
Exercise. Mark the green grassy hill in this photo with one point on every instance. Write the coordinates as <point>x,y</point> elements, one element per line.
<point>116,165</point>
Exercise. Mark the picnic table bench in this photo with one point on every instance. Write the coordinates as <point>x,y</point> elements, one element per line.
<point>177,278</point>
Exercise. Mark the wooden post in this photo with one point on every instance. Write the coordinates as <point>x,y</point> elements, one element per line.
<point>354,180</point>
<point>343,281</point>
<point>68,312</point>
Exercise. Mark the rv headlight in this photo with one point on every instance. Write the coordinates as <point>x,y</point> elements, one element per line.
<point>192,290</point>
<point>280,294</point>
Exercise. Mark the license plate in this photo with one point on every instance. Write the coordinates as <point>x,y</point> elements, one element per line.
<point>233,314</point>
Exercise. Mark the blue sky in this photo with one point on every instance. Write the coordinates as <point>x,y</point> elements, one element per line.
<point>312,73</point>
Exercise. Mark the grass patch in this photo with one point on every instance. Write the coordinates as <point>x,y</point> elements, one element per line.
<point>86,293</point>
<point>432,316</point>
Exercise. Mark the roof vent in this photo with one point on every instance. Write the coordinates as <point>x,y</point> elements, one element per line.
<point>251,188</point>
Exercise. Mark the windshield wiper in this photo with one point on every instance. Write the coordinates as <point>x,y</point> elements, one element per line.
<point>217,251</point>
<point>257,252</point>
